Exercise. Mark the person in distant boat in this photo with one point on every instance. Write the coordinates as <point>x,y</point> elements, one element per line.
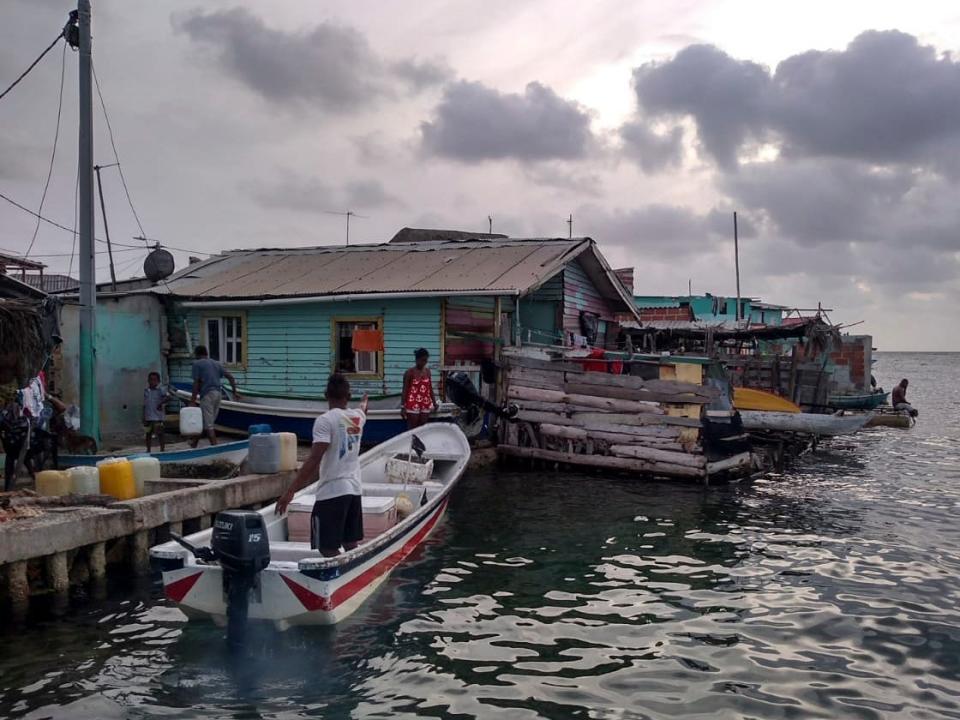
<point>207,374</point>
<point>899,398</point>
<point>418,397</point>
<point>337,518</point>
<point>154,398</point>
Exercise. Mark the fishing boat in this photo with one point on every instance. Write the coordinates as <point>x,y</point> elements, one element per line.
<point>808,423</point>
<point>888,417</point>
<point>859,401</point>
<point>232,452</point>
<point>761,400</point>
<point>298,586</point>
<point>297,415</point>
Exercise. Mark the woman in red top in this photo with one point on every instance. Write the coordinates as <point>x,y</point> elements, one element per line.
<point>418,398</point>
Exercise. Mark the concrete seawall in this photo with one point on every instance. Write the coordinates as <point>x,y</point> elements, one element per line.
<point>75,545</point>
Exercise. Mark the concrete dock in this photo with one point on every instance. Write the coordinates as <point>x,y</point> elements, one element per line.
<point>67,546</point>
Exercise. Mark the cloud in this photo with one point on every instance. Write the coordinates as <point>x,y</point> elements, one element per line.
<point>312,195</point>
<point>817,201</point>
<point>653,151</point>
<point>662,231</point>
<point>329,66</point>
<point>726,97</point>
<point>884,99</point>
<point>474,123</point>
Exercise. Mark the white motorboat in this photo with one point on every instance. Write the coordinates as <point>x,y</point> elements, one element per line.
<point>298,586</point>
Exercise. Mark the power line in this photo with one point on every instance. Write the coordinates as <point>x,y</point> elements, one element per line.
<point>53,153</point>
<point>58,225</point>
<point>34,63</point>
<point>116,156</point>
<point>58,255</point>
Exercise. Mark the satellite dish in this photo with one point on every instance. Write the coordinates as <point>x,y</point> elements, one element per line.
<point>158,265</point>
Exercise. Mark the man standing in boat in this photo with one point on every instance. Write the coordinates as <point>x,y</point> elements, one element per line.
<point>337,519</point>
<point>207,377</point>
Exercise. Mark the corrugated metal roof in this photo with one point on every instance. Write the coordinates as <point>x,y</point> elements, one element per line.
<point>481,266</point>
<point>690,325</point>
<point>51,282</point>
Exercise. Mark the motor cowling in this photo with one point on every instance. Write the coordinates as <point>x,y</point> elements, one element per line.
<point>240,541</point>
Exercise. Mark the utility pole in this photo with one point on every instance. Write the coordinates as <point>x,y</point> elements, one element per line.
<point>490,224</point>
<point>570,227</point>
<point>348,214</point>
<point>736,260</point>
<point>89,410</point>
<point>106,228</point>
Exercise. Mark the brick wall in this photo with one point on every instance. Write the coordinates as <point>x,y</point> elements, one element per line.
<point>678,313</point>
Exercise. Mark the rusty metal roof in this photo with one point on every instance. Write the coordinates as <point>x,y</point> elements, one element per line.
<point>481,266</point>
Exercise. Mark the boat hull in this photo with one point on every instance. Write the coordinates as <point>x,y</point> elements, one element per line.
<point>761,400</point>
<point>233,452</point>
<point>807,423</point>
<point>298,417</point>
<point>288,596</point>
<point>301,587</point>
<point>864,401</point>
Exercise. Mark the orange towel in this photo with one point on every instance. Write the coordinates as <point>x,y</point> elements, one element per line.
<point>367,340</point>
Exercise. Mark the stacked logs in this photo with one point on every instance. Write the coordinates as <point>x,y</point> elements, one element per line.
<point>596,419</point>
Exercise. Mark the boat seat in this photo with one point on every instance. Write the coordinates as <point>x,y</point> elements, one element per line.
<point>284,551</point>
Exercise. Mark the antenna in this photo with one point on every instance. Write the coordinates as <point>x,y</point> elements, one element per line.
<point>490,224</point>
<point>570,227</point>
<point>348,214</point>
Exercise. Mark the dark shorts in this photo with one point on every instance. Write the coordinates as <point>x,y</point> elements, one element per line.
<point>336,521</point>
<point>153,426</point>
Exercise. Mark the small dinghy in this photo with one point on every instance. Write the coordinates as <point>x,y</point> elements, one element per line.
<point>808,423</point>
<point>232,452</point>
<point>261,566</point>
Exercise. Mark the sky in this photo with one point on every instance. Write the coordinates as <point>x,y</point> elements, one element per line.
<point>832,129</point>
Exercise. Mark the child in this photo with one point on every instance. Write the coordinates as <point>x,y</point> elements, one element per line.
<point>154,398</point>
<point>334,459</point>
<point>418,398</point>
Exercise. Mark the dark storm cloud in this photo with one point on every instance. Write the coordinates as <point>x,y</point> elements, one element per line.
<point>726,97</point>
<point>313,195</point>
<point>654,151</point>
<point>661,231</point>
<point>884,99</point>
<point>330,66</point>
<point>820,201</point>
<point>474,122</point>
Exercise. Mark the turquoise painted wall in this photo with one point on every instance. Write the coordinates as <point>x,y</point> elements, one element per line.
<point>705,307</point>
<point>541,314</point>
<point>290,346</point>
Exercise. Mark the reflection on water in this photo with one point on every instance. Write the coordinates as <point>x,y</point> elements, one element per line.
<point>829,591</point>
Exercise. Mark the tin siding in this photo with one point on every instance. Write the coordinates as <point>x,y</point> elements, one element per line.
<point>289,346</point>
<point>579,294</point>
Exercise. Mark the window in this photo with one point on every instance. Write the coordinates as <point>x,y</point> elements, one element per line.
<point>224,338</point>
<point>349,360</point>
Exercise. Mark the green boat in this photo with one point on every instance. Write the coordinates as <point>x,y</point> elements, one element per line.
<point>861,401</point>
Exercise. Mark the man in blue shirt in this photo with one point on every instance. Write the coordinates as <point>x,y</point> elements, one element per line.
<point>207,375</point>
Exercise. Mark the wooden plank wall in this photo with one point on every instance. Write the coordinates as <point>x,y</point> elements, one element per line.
<point>604,421</point>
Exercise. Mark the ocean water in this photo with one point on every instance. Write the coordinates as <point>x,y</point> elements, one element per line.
<point>832,590</point>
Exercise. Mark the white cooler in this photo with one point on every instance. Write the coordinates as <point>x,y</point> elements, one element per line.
<point>379,515</point>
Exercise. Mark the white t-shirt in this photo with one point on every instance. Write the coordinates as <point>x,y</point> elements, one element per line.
<point>340,466</point>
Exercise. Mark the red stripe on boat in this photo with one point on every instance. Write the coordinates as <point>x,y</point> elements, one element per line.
<point>311,601</point>
<point>178,589</point>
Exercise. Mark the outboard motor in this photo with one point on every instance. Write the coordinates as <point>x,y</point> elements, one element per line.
<point>241,546</point>
<point>464,394</point>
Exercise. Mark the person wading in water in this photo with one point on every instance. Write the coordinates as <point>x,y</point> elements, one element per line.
<point>418,397</point>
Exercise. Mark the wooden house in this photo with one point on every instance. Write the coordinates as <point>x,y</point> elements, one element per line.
<point>283,319</point>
